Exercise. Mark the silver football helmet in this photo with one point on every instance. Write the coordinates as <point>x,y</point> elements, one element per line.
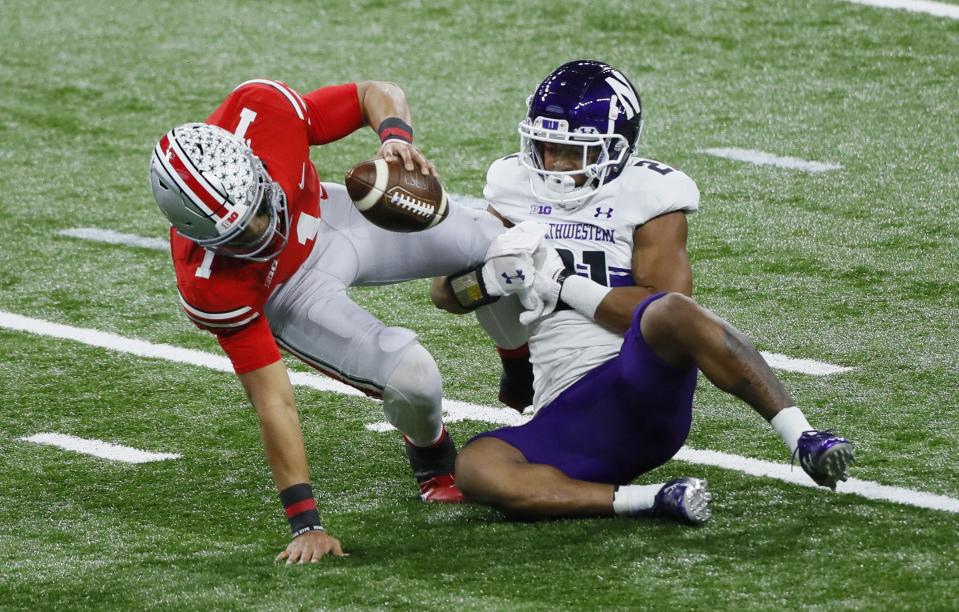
<point>217,193</point>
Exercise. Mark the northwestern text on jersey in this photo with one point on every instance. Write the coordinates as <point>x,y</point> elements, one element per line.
<point>580,231</point>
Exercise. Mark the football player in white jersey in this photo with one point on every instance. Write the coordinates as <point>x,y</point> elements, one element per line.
<point>597,254</point>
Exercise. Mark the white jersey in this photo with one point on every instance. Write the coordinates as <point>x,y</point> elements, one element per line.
<point>597,241</point>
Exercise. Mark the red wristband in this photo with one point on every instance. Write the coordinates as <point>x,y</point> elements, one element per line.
<point>394,127</point>
<point>300,508</point>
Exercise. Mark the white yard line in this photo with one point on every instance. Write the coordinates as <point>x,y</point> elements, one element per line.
<point>754,467</point>
<point>96,234</point>
<point>775,360</point>
<point>762,158</point>
<point>142,348</point>
<point>802,366</point>
<point>938,9</point>
<point>795,475</point>
<point>458,411</point>
<point>98,448</point>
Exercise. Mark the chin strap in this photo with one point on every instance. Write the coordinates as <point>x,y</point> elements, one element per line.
<point>562,183</point>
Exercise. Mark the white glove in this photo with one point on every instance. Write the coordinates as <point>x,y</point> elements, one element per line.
<point>547,264</point>
<point>509,267</point>
<point>524,238</point>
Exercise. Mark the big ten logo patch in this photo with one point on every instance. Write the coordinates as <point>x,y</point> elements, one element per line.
<point>229,221</point>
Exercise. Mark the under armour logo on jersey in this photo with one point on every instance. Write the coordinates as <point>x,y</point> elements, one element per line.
<point>599,211</point>
<point>510,278</point>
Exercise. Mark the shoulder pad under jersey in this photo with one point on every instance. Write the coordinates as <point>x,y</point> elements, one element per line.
<point>650,189</point>
<point>507,187</point>
<point>279,93</point>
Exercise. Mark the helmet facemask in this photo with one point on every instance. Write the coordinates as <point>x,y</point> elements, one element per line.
<point>602,155</point>
<point>263,232</point>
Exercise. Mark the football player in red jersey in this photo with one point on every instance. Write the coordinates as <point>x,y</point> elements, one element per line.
<point>264,252</point>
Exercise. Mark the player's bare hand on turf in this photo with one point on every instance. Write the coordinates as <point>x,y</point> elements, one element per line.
<point>412,157</point>
<point>311,547</point>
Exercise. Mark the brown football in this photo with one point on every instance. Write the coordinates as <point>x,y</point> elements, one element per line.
<point>394,198</point>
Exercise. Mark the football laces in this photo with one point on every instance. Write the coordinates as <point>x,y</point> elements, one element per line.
<point>413,205</point>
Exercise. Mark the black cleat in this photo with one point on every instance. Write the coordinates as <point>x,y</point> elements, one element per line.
<point>430,461</point>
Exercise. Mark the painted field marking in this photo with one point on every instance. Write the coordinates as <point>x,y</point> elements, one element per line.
<point>458,411</point>
<point>802,366</point>
<point>98,448</point>
<point>795,475</point>
<point>142,348</point>
<point>775,360</point>
<point>95,234</point>
<point>762,158</point>
<point>938,9</point>
<point>792,474</point>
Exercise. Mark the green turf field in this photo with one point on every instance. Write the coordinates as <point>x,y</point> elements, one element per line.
<point>855,266</point>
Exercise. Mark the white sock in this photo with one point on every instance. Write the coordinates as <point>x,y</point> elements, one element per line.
<point>789,424</point>
<point>634,498</point>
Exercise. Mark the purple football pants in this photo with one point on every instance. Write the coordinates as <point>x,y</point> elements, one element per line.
<point>622,419</point>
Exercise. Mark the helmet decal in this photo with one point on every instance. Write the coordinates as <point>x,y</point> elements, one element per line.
<point>625,94</point>
<point>190,179</point>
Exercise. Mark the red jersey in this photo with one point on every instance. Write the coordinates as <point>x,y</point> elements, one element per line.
<point>226,295</point>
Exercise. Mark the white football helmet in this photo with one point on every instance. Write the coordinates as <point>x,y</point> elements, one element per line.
<point>217,193</point>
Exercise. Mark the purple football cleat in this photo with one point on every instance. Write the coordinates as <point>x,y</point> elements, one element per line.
<point>684,499</point>
<point>825,457</point>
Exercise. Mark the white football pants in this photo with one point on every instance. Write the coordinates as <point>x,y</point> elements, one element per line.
<point>313,317</point>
